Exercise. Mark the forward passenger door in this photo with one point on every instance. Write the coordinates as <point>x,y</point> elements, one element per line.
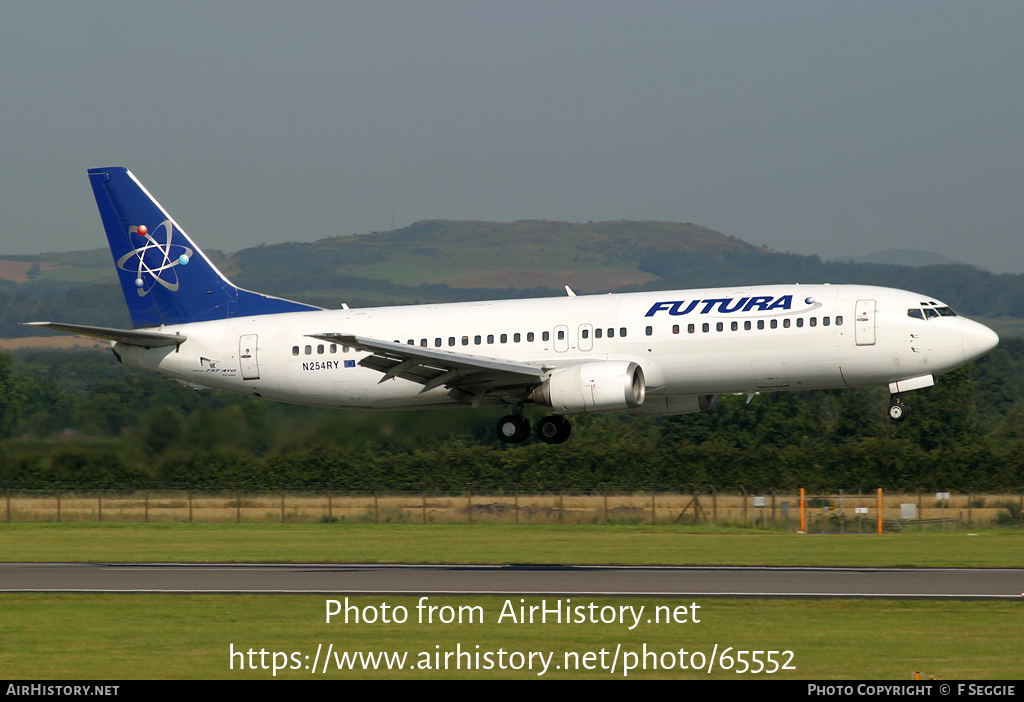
<point>864,323</point>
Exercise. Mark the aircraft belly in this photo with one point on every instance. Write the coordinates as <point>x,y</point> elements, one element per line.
<point>748,370</point>
<point>870,369</point>
<point>696,375</point>
<point>362,389</point>
<point>403,394</point>
<point>769,375</point>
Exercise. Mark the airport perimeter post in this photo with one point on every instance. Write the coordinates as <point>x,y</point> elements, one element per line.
<point>879,509</point>
<point>803,513</point>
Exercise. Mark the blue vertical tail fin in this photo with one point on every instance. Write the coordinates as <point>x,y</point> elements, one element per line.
<point>165,277</point>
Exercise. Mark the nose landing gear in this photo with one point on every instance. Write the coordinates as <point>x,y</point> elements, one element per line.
<point>897,410</point>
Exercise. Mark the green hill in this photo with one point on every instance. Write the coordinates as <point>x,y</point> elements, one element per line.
<point>442,261</point>
<point>592,257</point>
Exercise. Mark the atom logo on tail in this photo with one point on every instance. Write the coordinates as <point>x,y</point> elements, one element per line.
<point>161,264</point>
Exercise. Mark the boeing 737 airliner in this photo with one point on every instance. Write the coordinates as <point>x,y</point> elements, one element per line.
<point>657,353</point>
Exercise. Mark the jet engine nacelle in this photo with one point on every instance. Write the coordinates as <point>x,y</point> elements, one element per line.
<point>675,404</point>
<point>602,386</point>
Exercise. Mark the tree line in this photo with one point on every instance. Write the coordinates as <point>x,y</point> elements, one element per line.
<point>79,418</point>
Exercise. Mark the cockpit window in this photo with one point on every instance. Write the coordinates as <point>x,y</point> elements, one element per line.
<point>930,312</point>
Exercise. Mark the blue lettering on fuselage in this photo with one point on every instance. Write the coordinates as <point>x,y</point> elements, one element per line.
<point>672,307</point>
<point>727,305</point>
<point>760,303</point>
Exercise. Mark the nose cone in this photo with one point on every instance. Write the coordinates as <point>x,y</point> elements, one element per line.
<point>977,340</point>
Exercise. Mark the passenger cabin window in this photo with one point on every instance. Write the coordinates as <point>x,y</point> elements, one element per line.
<point>529,336</point>
<point>295,350</point>
<point>598,333</point>
<point>649,331</point>
<point>546,336</point>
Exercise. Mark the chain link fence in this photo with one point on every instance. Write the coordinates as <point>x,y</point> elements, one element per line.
<point>840,513</point>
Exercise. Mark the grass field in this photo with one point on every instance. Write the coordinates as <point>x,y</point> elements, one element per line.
<point>188,636</point>
<point>101,636</point>
<point>499,543</point>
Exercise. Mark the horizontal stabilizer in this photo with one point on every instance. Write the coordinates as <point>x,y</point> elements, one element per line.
<point>132,337</point>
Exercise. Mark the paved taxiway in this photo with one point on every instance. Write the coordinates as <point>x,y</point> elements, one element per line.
<point>668,581</point>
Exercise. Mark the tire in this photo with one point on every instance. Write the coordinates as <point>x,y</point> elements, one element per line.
<point>512,429</point>
<point>897,411</point>
<point>554,429</point>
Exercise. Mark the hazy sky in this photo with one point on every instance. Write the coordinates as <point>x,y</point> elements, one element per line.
<point>834,128</point>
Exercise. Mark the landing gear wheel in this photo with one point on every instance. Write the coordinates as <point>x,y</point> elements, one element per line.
<point>513,429</point>
<point>897,411</point>
<point>554,429</point>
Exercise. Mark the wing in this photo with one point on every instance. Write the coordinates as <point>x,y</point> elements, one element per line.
<point>472,379</point>
<point>132,337</point>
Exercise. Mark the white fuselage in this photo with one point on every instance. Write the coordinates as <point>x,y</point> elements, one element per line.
<point>688,342</point>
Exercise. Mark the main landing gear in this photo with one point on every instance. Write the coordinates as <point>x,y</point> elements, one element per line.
<point>897,410</point>
<point>515,428</point>
<point>554,429</point>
